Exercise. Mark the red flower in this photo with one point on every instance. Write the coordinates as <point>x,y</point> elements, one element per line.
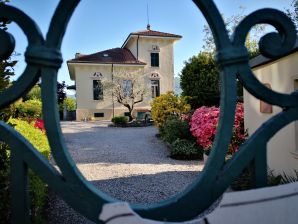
<point>39,124</point>
<point>204,122</point>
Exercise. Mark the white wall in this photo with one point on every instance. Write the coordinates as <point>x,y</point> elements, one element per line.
<point>282,150</point>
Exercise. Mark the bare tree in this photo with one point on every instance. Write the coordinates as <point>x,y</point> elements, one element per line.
<point>128,89</point>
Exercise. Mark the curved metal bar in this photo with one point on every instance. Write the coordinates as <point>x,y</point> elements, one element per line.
<point>46,171</point>
<point>273,44</point>
<point>59,23</point>
<point>30,75</point>
<point>257,89</point>
<point>232,58</point>
<point>77,184</point>
<point>216,23</point>
<point>256,142</point>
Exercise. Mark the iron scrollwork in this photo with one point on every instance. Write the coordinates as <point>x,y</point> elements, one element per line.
<point>44,59</point>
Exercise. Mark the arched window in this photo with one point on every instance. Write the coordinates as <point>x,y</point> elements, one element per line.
<point>155,85</point>
<point>97,90</point>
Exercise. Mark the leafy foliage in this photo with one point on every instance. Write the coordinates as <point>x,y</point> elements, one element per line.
<point>29,109</point>
<point>200,81</point>
<point>61,94</point>
<point>70,104</point>
<point>293,12</point>
<point>167,105</point>
<point>34,94</point>
<point>175,128</point>
<point>4,184</point>
<point>37,189</point>
<point>186,149</point>
<point>231,23</point>
<point>36,137</point>
<point>120,120</point>
<point>204,123</point>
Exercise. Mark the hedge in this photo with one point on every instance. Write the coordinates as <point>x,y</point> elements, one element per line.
<point>37,189</point>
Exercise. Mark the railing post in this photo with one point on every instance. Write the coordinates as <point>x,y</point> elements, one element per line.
<point>19,189</point>
<point>260,167</point>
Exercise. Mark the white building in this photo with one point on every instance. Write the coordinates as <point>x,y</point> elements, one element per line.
<point>282,76</point>
<point>148,51</point>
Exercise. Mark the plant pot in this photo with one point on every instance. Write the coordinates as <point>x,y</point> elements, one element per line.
<point>205,158</point>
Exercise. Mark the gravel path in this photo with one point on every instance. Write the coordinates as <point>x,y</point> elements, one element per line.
<point>129,164</point>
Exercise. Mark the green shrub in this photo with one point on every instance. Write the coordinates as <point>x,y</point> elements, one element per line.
<point>167,105</point>
<point>29,109</point>
<point>37,188</point>
<point>70,104</point>
<point>175,128</point>
<point>4,184</point>
<point>245,181</point>
<point>34,94</point>
<point>120,120</point>
<point>186,149</point>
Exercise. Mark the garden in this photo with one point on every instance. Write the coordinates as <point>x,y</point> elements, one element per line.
<point>190,133</point>
<point>25,116</point>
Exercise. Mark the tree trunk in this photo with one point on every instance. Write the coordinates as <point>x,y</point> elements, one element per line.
<point>130,115</point>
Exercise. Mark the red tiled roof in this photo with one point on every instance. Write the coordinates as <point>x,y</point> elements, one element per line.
<point>115,55</point>
<point>155,33</point>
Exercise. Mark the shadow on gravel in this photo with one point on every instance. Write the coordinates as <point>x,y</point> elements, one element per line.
<point>145,189</point>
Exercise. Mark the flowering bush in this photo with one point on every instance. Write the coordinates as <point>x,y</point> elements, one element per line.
<point>204,122</point>
<point>39,124</point>
<point>167,105</point>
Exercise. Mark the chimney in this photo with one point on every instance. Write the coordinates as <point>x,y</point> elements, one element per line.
<point>77,55</point>
<point>148,26</point>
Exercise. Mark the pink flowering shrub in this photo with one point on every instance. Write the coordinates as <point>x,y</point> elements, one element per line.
<point>203,125</point>
<point>39,124</point>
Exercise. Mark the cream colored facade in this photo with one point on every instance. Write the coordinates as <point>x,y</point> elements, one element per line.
<point>282,150</point>
<point>141,47</point>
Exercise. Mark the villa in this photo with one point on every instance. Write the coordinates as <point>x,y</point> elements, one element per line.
<point>149,53</point>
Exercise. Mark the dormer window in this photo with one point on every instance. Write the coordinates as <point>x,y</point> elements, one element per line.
<point>154,59</point>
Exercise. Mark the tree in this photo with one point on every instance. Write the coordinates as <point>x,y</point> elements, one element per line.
<point>200,75</point>
<point>128,89</point>
<point>200,80</point>
<point>231,23</point>
<point>61,94</point>
<point>293,12</point>
<point>6,70</point>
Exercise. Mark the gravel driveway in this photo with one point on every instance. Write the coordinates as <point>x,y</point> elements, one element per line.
<point>129,164</point>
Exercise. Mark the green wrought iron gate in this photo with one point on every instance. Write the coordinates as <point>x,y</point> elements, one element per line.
<point>43,59</point>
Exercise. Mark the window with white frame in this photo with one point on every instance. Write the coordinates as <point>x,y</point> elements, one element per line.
<point>154,59</point>
<point>155,88</point>
<point>97,90</point>
<point>127,87</point>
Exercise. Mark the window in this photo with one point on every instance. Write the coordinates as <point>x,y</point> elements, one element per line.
<point>155,88</point>
<point>154,59</point>
<point>97,90</point>
<point>127,87</point>
<point>99,114</point>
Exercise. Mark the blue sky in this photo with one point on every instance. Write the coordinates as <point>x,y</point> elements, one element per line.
<point>98,25</point>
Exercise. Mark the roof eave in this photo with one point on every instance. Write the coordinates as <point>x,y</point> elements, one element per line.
<point>178,37</point>
<point>102,63</point>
